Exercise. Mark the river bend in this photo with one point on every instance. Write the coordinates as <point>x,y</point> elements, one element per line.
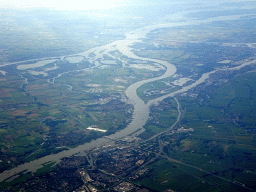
<point>141,110</point>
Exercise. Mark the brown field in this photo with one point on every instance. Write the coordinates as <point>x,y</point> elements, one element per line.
<point>33,115</point>
<point>93,116</point>
<point>75,108</point>
<point>40,86</point>
<point>73,123</point>
<point>50,117</point>
<point>4,93</point>
<point>48,101</point>
<point>54,111</point>
<point>36,93</point>
<point>187,147</point>
<point>19,113</point>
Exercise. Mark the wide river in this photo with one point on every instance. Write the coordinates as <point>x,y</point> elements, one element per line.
<point>141,110</point>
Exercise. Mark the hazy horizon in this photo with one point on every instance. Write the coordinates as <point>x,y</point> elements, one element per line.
<point>97,4</point>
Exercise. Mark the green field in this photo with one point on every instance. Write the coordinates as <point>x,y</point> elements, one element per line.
<point>221,144</point>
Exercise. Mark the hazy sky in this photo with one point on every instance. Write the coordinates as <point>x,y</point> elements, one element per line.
<point>62,4</point>
<point>94,4</point>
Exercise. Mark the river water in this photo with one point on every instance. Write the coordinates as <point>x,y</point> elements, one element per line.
<point>141,110</point>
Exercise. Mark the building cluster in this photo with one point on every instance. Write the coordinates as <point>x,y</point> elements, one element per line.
<point>121,161</point>
<point>115,167</point>
<point>112,163</point>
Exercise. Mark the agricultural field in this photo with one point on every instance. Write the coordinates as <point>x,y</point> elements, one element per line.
<point>42,114</point>
<point>48,104</point>
<point>219,154</point>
